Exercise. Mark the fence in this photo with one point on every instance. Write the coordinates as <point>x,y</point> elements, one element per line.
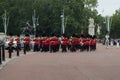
<point>2,53</point>
<point>10,50</point>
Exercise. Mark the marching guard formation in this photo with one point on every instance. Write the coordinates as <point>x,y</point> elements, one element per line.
<point>52,44</point>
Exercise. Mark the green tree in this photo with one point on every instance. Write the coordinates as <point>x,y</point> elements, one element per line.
<point>115,27</point>
<point>77,13</point>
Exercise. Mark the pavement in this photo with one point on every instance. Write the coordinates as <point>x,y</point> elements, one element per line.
<point>102,64</point>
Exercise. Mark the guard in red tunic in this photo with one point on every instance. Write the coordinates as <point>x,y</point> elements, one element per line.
<point>54,42</point>
<point>27,42</point>
<point>87,43</point>
<point>40,43</point>
<point>43,47</point>
<point>10,39</point>
<point>36,44</point>
<point>75,43</point>
<point>81,43</point>
<point>64,44</point>
<point>46,44</point>
<point>93,44</point>
<point>52,45</point>
<point>69,43</point>
<point>18,40</point>
<point>84,43</point>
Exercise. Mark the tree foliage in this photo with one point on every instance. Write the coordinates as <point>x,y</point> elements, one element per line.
<point>77,13</point>
<point>115,26</point>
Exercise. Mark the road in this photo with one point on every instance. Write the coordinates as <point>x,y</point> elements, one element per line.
<point>102,64</point>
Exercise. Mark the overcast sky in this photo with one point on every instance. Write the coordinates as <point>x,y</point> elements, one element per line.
<point>108,7</point>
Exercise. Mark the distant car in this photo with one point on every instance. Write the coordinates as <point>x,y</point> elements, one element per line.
<point>7,44</point>
<point>2,35</point>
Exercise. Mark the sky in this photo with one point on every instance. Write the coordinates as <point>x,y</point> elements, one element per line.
<point>108,7</point>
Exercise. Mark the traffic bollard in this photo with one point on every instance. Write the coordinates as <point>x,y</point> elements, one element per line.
<point>10,51</point>
<point>0,56</point>
<point>24,49</point>
<point>17,50</point>
<point>3,52</point>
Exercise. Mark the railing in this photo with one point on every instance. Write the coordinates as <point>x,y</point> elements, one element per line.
<point>2,53</point>
<point>10,50</point>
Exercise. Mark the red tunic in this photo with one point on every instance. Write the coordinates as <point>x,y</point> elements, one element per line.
<point>87,42</point>
<point>69,42</point>
<point>81,41</point>
<point>18,40</point>
<point>93,42</point>
<point>47,42</point>
<point>27,41</point>
<point>11,41</point>
<point>75,41</point>
<point>36,41</point>
<point>54,41</point>
<point>64,41</point>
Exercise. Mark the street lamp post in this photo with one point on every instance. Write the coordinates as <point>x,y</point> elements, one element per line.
<point>35,22</point>
<point>5,22</point>
<point>63,25</point>
<point>108,24</point>
<point>108,21</point>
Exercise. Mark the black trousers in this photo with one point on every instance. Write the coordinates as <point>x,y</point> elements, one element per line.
<point>18,46</point>
<point>73,49</point>
<point>64,48</point>
<point>36,48</point>
<point>27,47</point>
<point>52,48</point>
<point>10,48</point>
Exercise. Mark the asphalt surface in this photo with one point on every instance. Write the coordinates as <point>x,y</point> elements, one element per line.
<point>102,64</point>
